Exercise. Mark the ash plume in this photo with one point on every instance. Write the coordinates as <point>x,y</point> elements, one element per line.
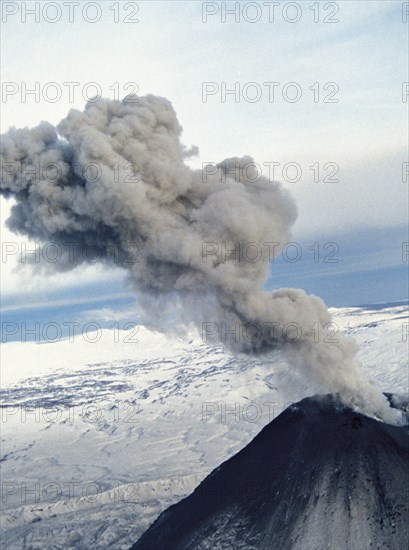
<point>113,177</point>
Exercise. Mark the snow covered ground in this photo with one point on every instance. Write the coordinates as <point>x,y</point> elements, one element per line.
<point>98,438</point>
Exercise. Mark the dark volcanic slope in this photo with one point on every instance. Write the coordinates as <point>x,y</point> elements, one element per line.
<point>319,476</point>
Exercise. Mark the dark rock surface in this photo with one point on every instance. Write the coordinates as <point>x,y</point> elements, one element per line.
<point>318,476</point>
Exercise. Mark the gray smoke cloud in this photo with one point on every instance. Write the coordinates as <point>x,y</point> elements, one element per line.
<point>113,177</point>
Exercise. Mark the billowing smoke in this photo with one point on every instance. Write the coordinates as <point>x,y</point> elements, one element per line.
<point>113,178</point>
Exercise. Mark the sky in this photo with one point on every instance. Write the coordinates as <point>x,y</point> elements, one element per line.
<point>337,107</point>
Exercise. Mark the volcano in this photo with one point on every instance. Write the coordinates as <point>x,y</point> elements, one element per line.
<point>318,476</point>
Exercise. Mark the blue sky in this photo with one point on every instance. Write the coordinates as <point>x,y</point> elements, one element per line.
<point>172,52</point>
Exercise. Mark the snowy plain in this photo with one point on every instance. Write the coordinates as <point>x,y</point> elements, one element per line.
<point>99,438</point>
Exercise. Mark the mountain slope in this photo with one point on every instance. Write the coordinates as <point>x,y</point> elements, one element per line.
<point>79,414</point>
<point>318,476</point>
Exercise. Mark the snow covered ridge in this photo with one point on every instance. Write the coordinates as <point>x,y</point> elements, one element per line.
<point>86,424</point>
<point>79,519</point>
